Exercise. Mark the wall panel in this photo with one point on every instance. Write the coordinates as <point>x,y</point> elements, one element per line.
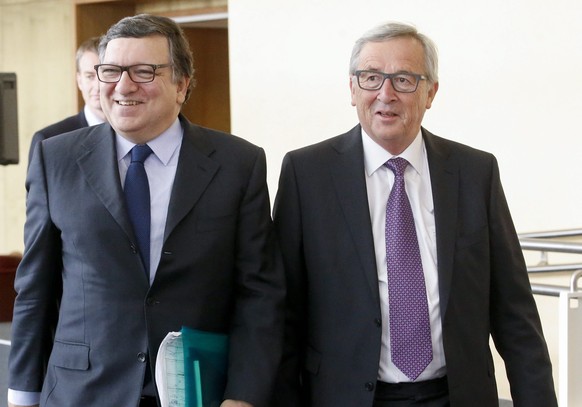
<point>36,42</point>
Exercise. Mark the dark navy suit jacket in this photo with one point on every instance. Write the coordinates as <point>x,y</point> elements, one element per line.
<point>218,271</point>
<point>334,325</point>
<point>64,126</point>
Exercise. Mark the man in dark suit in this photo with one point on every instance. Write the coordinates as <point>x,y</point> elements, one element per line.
<point>92,114</point>
<point>334,220</point>
<point>209,263</point>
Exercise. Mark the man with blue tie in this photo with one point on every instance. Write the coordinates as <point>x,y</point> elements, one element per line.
<point>401,256</point>
<point>207,260</point>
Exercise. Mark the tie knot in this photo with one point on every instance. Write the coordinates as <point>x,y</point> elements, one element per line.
<point>397,165</point>
<point>140,152</point>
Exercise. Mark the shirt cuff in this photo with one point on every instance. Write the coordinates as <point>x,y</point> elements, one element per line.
<point>23,398</point>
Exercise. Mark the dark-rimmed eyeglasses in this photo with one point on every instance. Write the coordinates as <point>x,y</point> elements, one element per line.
<point>403,82</point>
<point>140,73</point>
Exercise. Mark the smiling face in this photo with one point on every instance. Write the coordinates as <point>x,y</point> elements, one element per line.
<point>141,111</point>
<point>392,119</point>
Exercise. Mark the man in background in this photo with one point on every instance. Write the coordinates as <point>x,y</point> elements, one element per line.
<point>86,58</point>
<point>149,223</point>
<point>401,255</point>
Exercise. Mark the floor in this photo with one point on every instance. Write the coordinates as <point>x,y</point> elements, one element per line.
<point>5,330</point>
<point>4,336</point>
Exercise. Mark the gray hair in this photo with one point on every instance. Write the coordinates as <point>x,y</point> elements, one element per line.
<point>392,30</point>
<point>146,25</point>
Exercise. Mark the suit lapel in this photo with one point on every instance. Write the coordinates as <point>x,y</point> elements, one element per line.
<point>347,172</point>
<point>98,164</point>
<point>444,175</point>
<point>194,173</point>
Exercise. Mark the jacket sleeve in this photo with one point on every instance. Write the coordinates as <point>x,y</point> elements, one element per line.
<point>38,287</point>
<point>257,324</point>
<point>288,224</point>
<point>515,324</point>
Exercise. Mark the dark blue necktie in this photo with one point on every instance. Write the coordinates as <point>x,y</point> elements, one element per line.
<point>410,335</point>
<point>137,197</point>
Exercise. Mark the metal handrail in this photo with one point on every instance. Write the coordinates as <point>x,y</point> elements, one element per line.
<point>550,246</point>
<point>548,289</point>
<point>541,241</point>
<point>561,242</point>
<point>556,290</point>
<point>552,234</point>
<point>547,268</point>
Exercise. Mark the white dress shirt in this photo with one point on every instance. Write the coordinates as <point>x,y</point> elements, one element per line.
<point>92,119</point>
<point>379,181</point>
<point>161,170</point>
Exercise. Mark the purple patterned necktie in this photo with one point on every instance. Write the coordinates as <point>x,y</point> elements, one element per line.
<point>410,337</point>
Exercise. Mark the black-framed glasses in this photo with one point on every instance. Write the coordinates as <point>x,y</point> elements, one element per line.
<point>403,82</point>
<point>140,73</point>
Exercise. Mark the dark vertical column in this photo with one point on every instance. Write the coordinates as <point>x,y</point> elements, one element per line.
<point>8,119</point>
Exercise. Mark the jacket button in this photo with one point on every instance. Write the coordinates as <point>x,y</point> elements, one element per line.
<point>151,301</point>
<point>378,322</point>
<point>369,386</point>
<point>133,249</point>
<point>141,357</point>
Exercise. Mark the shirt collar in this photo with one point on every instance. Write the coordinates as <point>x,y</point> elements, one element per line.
<point>163,145</point>
<point>91,117</point>
<point>375,156</point>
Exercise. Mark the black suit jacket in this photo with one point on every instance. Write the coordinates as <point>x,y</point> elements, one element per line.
<point>71,123</point>
<point>218,270</point>
<point>334,327</point>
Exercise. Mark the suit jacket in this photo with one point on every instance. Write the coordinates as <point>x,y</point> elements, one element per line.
<point>71,123</point>
<point>334,327</point>
<point>218,271</point>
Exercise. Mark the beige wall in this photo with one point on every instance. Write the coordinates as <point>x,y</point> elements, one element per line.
<point>36,42</point>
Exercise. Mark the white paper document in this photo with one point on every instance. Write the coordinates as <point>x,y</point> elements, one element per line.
<point>170,376</point>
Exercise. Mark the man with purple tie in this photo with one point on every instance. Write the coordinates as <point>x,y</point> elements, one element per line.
<point>401,256</point>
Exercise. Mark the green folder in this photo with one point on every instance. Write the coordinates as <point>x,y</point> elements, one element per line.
<point>205,366</point>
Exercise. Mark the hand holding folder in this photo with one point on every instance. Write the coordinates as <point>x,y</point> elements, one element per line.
<point>191,368</point>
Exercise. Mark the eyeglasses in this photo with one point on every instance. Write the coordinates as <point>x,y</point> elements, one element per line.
<point>140,73</point>
<point>403,82</point>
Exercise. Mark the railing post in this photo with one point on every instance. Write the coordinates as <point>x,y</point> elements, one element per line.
<point>570,339</point>
<point>569,307</point>
<point>574,280</point>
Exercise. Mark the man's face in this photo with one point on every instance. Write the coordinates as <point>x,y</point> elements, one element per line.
<point>141,111</point>
<point>88,83</point>
<point>392,119</point>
